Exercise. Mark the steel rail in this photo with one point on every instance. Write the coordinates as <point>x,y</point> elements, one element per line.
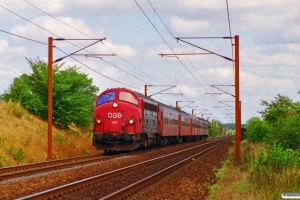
<point>54,192</point>
<point>127,191</point>
<point>35,168</point>
<point>50,168</point>
<point>17,168</point>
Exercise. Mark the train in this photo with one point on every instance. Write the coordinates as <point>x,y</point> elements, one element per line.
<point>128,120</point>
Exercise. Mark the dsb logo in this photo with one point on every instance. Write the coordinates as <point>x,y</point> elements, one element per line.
<point>114,115</point>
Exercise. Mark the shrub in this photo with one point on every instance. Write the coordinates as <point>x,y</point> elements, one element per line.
<point>257,129</point>
<point>287,132</point>
<point>277,157</point>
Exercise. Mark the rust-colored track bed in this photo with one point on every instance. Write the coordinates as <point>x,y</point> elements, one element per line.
<point>111,180</point>
<point>53,165</point>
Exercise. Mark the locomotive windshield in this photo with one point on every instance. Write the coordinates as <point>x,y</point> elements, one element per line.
<point>110,96</point>
<point>126,96</point>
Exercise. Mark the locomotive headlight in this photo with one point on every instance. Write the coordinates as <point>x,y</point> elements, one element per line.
<point>98,121</point>
<point>115,105</point>
<point>131,121</point>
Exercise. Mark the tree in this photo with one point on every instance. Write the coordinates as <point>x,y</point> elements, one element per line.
<point>20,91</point>
<point>278,107</point>
<point>73,93</point>
<point>256,129</point>
<point>214,128</point>
<point>283,116</point>
<point>286,131</point>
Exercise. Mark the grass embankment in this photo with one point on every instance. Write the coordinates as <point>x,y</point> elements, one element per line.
<point>263,173</point>
<point>24,138</point>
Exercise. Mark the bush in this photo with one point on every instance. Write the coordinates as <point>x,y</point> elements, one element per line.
<point>277,157</point>
<point>286,131</point>
<point>257,129</point>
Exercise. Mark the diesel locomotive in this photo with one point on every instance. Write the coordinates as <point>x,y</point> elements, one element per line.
<point>128,120</point>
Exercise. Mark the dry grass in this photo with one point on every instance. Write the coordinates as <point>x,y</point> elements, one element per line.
<point>24,138</point>
<point>235,180</point>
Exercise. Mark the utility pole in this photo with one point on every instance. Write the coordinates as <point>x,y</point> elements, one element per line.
<point>236,80</point>
<point>237,99</point>
<point>50,82</point>
<point>145,90</point>
<point>50,62</point>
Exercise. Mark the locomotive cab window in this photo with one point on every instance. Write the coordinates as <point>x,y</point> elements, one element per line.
<point>110,96</point>
<point>126,96</point>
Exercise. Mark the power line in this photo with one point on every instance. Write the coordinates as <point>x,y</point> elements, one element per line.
<point>131,64</point>
<point>166,41</point>
<point>181,46</point>
<point>24,37</point>
<point>54,17</point>
<point>63,51</point>
<point>97,71</point>
<point>36,25</point>
<point>125,71</point>
<point>229,26</point>
<point>107,48</point>
<point>178,43</point>
<point>102,44</point>
<point>153,25</point>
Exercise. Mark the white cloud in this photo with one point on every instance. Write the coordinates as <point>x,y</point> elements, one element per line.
<point>50,25</point>
<point>6,49</point>
<point>187,91</point>
<point>269,45</point>
<point>124,50</point>
<point>186,26</point>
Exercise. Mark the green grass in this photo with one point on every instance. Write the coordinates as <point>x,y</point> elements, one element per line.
<point>263,173</point>
<point>24,138</point>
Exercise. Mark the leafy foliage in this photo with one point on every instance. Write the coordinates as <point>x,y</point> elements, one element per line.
<point>283,117</point>
<point>286,131</point>
<point>276,158</point>
<point>278,107</point>
<point>256,129</point>
<point>73,93</point>
<point>214,128</point>
<point>232,125</point>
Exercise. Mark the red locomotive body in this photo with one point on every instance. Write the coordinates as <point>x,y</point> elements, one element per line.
<point>128,120</point>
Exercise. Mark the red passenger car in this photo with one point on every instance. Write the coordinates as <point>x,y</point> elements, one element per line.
<point>128,120</point>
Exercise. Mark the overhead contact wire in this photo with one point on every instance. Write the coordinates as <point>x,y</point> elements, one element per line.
<point>97,71</point>
<point>68,42</point>
<point>178,43</point>
<point>23,37</point>
<point>182,48</point>
<point>229,26</point>
<point>102,44</point>
<point>166,41</point>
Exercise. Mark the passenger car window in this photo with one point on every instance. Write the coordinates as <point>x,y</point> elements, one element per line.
<point>126,96</point>
<point>110,96</point>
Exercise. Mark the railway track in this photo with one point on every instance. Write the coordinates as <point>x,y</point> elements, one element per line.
<point>65,191</point>
<point>35,168</point>
<point>7,173</point>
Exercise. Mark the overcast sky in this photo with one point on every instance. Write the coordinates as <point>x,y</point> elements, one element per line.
<point>138,30</point>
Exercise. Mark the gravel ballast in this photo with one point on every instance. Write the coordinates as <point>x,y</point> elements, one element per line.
<point>25,186</point>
